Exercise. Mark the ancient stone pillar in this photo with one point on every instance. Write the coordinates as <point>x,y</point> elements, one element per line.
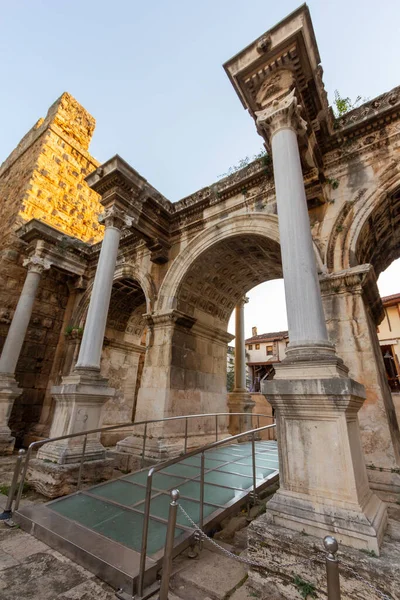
<point>240,400</point>
<point>82,394</point>
<point>353,309</point>
<point>323,479</point>
<point>240,349</point>
<point>12,347</point>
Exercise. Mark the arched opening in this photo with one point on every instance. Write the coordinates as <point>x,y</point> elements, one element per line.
<point>123,353</point>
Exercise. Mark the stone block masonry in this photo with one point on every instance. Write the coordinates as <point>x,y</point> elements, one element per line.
<point>43,178</point>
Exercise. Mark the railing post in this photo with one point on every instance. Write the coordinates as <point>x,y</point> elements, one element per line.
<point>144,446</point>
<point>145,532</point>
<point>186,434</point>
<point>201,520</point>
<point>332,568</point>
<point>169,546</point>
<point>10,498</point>
<point>78,485</point>
<point>216,428</point>
<point>253,454</point>
<point>21,484</point>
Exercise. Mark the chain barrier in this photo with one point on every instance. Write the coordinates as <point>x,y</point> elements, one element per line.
<point>241,559</point>
<point>252,563</point>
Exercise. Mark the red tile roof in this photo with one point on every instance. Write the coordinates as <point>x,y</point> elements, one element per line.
<point>390,300</point>
<point>268,337</point>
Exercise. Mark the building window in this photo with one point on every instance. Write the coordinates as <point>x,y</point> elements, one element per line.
<point>250,346</point>
<point>270,350</point>
<point>257,346</point>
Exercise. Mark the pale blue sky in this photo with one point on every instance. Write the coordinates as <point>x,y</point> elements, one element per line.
<point>151,74</point>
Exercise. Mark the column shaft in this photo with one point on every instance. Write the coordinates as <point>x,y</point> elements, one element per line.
<point>19,325</point>
<point>240,350</point>
<point>303,296</point>
<point>93,335</point>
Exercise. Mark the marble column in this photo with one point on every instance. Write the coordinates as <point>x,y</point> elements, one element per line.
<point>82,394</point>
<point>323,480</point>
<point>12,347</point>
<point>239,400</point>
<point>240,348</point>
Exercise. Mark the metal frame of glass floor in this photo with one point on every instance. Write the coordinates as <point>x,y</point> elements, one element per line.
<point>101,527</point>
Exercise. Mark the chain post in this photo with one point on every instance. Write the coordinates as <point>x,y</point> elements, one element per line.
<point>169,546</point>
<point>253,454</point>
<point>216,428</point>
<point>332,568</point>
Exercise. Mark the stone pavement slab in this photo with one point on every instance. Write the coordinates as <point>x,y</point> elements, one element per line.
<point>213,576</point>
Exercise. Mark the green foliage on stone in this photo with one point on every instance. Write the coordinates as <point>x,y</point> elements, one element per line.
<point>305,588</point>
<point>341,105</point>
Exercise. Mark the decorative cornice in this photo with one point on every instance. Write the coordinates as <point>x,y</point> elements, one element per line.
<point>283,114</point>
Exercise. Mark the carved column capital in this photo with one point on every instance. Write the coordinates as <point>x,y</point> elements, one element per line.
<point>115,217</point>
<point>282,114</point>
<point>36,264</point>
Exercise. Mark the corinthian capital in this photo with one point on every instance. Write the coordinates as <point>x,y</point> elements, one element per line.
<point>115,217</point>
<point>282,114</point>
<point>36,264</point>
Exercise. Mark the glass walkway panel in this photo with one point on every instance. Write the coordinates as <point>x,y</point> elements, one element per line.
<point>106,520</point>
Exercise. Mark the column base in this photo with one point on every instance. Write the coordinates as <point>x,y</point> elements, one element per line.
<point>240,402</point>
<point>55,480</point>
<point>9,390</point>
<point>79,403</point>
<point>324,485</point>
<point>275,547</point>
<point>160,448</point>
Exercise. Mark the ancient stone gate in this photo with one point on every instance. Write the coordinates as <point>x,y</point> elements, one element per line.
<point>175,271</point>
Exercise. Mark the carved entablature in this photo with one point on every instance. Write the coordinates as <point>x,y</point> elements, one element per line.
<point>357,280</point>
<point>61,251</point>
<point>285,58</point>
<point>148,212</point>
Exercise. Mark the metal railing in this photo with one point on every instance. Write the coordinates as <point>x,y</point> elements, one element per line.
<point>24,464</point>
<point>149,486</point>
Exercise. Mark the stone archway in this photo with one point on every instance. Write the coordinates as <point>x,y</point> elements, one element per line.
<point>185,366</point>
<point>365,239</point>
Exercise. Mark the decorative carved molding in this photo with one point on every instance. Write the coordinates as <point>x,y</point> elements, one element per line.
<point>282,114</point>
<point>115,217</point>
<point>36,264</point>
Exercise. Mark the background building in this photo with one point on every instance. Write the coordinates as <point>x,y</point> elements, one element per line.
<point>263,351</point>
<point>389,336</point>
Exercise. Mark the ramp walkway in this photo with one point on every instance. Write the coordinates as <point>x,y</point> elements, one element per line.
<point>118,529</point>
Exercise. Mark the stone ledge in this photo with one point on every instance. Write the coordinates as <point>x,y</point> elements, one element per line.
<point>275,546</point>
<point>54,480</point>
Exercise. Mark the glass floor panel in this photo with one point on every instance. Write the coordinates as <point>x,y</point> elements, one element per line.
<point>228,480</point>
<point>210,463</point>
<point>243,469</point>
<point>120,491</point>
<point>212,494</point>
<point>85,510</point>
<point>127,530</point>
<point>161,481</point>
<point>187,471</point>
<point>159,507</point>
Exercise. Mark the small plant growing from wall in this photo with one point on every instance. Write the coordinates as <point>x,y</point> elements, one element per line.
<point>73,331</point>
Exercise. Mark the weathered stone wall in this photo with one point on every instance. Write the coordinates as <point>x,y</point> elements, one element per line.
<point>43,178</point>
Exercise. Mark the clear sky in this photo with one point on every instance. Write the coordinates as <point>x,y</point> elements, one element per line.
<point>151,74</point>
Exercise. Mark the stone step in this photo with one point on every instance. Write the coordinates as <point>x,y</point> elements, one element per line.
<point>212,576</point>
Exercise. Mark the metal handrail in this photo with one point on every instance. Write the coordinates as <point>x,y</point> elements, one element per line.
<point>85,434</point>
<point>173,461</point>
